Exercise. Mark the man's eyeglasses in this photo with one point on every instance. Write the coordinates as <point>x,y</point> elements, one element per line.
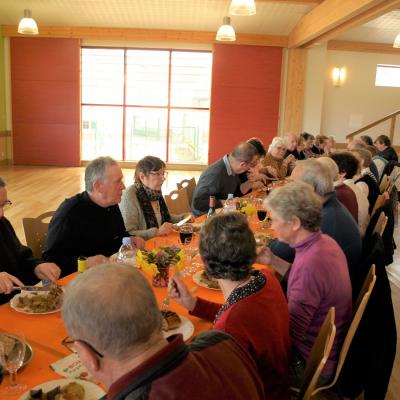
<point>69,344</point>
<point>6,204</point>
<point>159,174</point>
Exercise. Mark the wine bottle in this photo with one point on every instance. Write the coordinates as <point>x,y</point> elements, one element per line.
<point>211,209</point>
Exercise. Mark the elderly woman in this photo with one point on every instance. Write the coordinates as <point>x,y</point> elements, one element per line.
<point>142,205</point>
<point>255,311</point>
<point>274,162</point>
<point>318,278</point>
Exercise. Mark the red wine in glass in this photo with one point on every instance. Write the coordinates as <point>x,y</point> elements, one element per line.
<point>261,214</point>
<point>185,235</point>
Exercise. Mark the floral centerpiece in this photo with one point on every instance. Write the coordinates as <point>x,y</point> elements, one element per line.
<point>157,263</point>
<point>246,207</point>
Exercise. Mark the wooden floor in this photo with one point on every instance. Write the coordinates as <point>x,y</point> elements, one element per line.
<point>34,190</point>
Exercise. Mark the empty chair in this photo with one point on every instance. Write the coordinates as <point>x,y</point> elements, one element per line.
<point>36,232</point>
<point>190,185</point>
<point>177,201</point>
<point>318,357</point>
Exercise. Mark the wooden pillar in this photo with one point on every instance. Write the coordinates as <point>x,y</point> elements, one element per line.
<point>294,99</point>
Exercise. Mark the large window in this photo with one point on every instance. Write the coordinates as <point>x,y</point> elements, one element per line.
<point>141,102</point>
<point>387,75</point>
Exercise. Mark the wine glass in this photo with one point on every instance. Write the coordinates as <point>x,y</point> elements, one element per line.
<point>191,251</point>
<point>12,354</point>
<point>185,232</point>
<point>261,212</point>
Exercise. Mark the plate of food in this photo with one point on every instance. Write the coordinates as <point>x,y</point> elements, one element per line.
<point>202,279</point>
<point>28,302</point>
<point>174,323</point>
<point>195,225</point>
<point>64,389</point>
<point>7,341</point>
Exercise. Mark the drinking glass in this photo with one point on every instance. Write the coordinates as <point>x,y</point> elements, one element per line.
<point>191,250</point>
<point>185,232</point>
<point>12,354</point>
<point>261,212</point>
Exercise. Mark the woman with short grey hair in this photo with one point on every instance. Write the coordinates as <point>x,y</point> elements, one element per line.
<point>275,162</point>
<point>318,278</point>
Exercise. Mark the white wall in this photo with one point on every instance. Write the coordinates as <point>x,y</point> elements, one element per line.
<point>358,102</point>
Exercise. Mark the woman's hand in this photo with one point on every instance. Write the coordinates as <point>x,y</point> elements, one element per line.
<point>165,229</point>
<point>178,291</point>
<point>272,171</point>
<point>265,256</point>
<point>48,272</point>
<point>7,282</point>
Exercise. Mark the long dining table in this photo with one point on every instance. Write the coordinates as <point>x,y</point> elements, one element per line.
<point>44,333</point>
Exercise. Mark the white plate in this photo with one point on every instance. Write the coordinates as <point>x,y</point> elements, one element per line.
<point>14,302</point>
<point>92,391</point>
<point>186,328</point>
<point>197,279</point>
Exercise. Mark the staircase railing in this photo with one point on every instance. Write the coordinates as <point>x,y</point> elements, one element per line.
<point>392,118</point>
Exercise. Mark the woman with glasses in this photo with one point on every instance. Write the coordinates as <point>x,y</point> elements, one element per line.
<point>142,206</point>
<point>275,162</point>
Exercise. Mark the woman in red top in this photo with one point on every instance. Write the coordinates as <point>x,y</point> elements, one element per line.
<point>255,311</point>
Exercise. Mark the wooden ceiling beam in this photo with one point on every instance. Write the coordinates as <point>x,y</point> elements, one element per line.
<point>335,16</point>
<point>364,47</point>
<point>146,35</point>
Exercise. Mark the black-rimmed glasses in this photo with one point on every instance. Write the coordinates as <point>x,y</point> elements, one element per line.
<point>159,174</point>
<point>69,344</point>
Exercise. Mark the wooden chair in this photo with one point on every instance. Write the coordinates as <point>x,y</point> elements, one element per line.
<point>385,182</point>
<point>318,357</point>
<point>177,201</point>
<point>360,306</point>
<point>36,232</point>
<point>190,185</point>
<point>380,201</point>
<point>381,224</point>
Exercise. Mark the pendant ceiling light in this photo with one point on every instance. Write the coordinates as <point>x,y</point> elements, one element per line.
<point>242,7</point>
<point>226,32</point>
<point>396,43</point>
<point>27,25</point>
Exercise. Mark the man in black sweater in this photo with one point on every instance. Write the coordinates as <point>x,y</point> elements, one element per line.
<point>89,224</point>
<point>385,150</point>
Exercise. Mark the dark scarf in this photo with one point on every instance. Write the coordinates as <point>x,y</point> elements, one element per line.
<point>145,196</point>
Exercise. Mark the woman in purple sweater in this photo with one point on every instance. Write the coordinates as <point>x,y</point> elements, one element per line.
<point>318,278</point>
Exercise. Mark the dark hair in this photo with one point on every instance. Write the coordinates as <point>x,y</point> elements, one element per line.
<point>258,145</point>
<point>307,136</point>
<point>227,246</point>
<point>383,139</point>
<point>2,182</point>
<point>147,165</point>
<point>346,162</point>
<point>244,152</point>
<point>373,150</point>
<point>367,140</point>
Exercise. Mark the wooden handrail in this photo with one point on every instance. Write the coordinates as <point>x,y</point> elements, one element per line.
<point>391,116</point>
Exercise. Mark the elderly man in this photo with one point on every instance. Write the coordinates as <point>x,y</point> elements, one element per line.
<point>337,222</point>
<point>89,224</point>
<point>17,263</point>
<point>112,317</point>
<point>222,177</point>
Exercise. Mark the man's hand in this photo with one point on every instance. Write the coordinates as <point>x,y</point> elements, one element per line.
<point>47,272</point>
<point>7,282</point>
<point>138,242</point>
<point>165,229</point>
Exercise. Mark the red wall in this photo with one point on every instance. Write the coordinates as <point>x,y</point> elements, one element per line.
<point>244,96</point>
<point>45,101</point>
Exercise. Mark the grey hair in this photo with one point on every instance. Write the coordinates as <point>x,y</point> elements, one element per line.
<point>277,141</point>
<point>113,308</point>
<point>317,175</point>
<point>364,155</point>
<point>244,152</point>
<point>297,199</point>
<point>331,165</point>
<point>2,182</point>
<point>96,169</point>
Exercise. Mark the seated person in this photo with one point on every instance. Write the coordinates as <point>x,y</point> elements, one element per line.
<point>330,145</point>
<point>343,193</point>
<point>255,310</point>
<point>114,323</point>
<point>89,224</point>
<point>308,142</point>
<point>366,180</point>
<point>222,177</point>
<point>385,150</point>
<point>18,267</point>
<point>318,278</point>
<point>321,142</point>
<point>142,206</point>
<point>274,162</point>
<point>349,167</point>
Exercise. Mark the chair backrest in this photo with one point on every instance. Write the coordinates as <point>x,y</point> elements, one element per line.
<point>385,182</point>
<point>36,232</point>
<point>319,355</point>
<point>361,304</point>
<point>177,201</point>
<point>379,202</point>
<point>380,224</point>
<point>190,185</point>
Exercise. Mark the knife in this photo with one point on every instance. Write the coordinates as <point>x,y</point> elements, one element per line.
<point>33,288</point>
<point>186,219</point>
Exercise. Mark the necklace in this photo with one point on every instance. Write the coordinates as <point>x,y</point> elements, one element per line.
<point>240,283</point>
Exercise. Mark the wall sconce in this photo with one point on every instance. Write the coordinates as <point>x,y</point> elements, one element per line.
<point>338,76</point>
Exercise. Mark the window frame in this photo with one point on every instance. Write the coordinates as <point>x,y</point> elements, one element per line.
<point>395,66</point>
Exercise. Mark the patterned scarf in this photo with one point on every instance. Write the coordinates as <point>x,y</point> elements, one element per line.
<point>145,196</point>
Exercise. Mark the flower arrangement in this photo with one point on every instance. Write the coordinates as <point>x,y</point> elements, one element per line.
<point>246,207</point>
<point>157,263</point>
